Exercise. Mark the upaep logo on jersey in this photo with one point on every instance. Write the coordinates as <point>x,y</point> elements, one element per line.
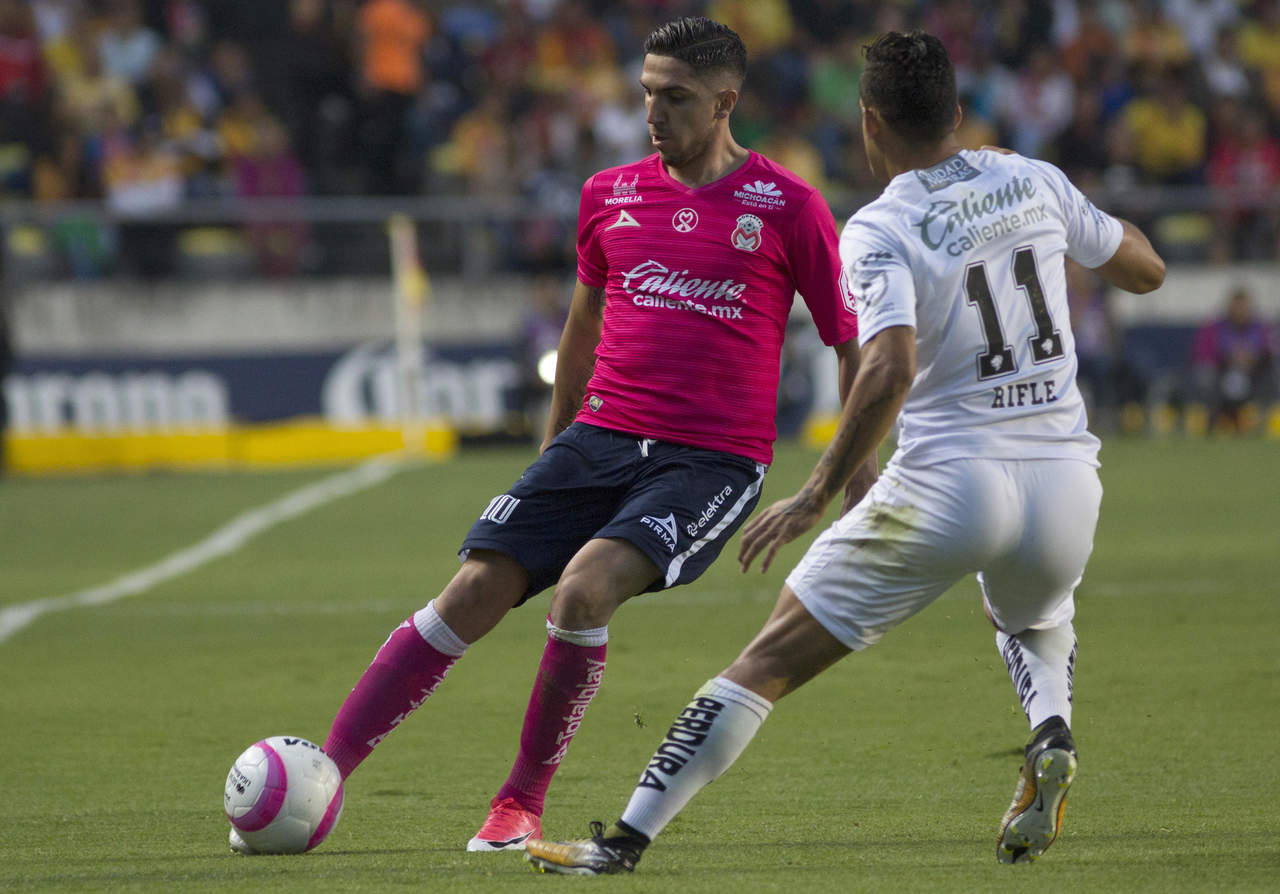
<point>760,195</point>
<point>684,220</point>
<point>747,234</point>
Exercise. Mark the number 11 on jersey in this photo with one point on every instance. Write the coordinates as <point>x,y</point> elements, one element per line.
<point>1046,343</point>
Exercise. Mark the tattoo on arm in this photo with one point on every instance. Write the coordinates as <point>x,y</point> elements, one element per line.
<point>836,465</point>
<point>595,301</point>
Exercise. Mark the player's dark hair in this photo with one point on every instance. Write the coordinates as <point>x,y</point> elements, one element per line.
<point>910,81</point>
<point>702,44</point>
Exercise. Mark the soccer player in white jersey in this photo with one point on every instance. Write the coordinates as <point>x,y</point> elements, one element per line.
<point>662,418</point>
<point>958,270</point>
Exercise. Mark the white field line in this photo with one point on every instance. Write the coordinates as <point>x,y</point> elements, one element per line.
<point>227,539</point>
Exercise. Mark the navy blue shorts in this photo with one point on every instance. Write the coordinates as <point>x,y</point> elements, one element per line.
<point>678,505</point>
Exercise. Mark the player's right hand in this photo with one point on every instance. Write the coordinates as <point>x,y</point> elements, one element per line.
<point>781,523</point>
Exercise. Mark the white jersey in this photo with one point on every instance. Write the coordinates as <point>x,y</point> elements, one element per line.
<point>970,253</point>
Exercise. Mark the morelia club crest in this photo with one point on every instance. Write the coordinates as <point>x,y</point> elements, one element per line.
<point>747,234</point>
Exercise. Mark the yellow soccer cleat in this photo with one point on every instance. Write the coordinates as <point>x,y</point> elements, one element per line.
<point>596,855</point>
<point>1034,819</point>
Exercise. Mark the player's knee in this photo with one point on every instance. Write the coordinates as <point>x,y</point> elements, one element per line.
<point>580,603</point>
<point>484,589</point>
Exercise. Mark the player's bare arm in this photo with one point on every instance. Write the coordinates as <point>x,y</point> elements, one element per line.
<point>884,376</point>
<point>1135,267</point>
<point>575,358</point>
<point>847,356</point>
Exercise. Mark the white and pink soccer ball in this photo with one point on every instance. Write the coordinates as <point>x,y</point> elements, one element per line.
<point>283,796</point>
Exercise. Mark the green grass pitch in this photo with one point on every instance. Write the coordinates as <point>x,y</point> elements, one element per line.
<point>888,773</point>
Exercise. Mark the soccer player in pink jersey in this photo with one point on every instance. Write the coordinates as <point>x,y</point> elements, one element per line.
<point>662,418</point>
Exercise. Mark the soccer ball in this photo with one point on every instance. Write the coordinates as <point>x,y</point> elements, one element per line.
<point>283,796</point>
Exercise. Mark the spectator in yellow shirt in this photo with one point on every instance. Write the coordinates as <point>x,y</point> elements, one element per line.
<point>1169,133</point>
<point>1259,49</point>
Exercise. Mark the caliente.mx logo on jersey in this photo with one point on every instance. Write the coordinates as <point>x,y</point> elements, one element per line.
<point>655,278</point>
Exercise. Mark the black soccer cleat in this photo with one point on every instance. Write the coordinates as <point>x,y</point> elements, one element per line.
<point>596,855</point>
<point>1034,819</point>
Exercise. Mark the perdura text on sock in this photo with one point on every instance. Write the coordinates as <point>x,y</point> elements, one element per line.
<point>1019,673</point>
<point>681,741</point>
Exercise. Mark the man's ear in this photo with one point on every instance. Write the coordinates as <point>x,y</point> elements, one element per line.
<point>725,102</point>
<point>872,124</point>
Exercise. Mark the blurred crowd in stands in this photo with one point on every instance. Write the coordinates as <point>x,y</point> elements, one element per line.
<point>144,102</point>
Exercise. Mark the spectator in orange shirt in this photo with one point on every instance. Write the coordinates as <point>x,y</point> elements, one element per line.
<point>392,35</point>
<point>1092,44</point>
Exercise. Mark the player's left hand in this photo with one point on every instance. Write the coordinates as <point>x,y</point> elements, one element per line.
<point>781,523</point>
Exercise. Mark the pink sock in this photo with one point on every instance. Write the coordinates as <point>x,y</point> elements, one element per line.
<point>568,678</point>
<point>404,673</point>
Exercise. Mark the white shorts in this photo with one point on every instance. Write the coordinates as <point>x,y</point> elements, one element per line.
<point>1026,527</point>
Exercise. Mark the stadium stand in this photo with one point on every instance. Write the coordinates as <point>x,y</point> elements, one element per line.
<point>145,103</point>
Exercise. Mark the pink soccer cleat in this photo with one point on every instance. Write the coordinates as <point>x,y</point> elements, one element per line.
<point>508,827</point>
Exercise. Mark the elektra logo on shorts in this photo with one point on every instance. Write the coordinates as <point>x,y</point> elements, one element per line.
<point>711,511</point>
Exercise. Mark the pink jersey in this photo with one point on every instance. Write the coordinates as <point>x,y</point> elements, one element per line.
<point>698,285</point>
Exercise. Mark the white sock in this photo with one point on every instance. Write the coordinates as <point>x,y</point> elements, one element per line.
<point>704,741</point>
<point>594,636</point>
<point>1042,665</point>
<point>436,632</point>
